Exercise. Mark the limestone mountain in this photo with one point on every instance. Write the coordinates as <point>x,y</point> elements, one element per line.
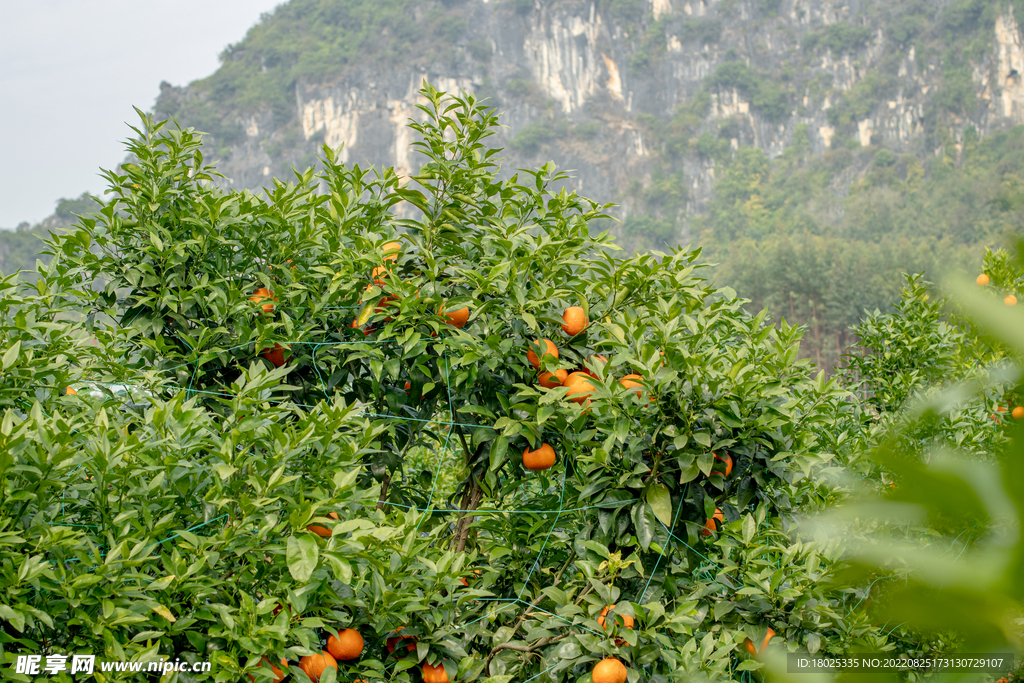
<point>634,95</point>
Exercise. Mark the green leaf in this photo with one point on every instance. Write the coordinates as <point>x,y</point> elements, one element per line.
<point>165,613</point>
<point>340,566</point>
<point>660,500</point>
<point>303,556</point>
<point>11,354</point>
<point>344,478</point>
<point>749,527</point>
<point>722,608</point>
<point>644,523</point>
<point>161,584</point>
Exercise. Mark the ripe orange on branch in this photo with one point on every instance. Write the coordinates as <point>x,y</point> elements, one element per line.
<point>609,670</point>
<point>278,673</point>
<point>550,380</point>
<point>434,674</point>
<point>262,294</point>
<point>391,250</point>
<point>315,665</point>
<point>710,526</point>
<point>1010,300</point>
<point>1018,412</point>
<point>626,619</point>
<point>540,459</point>
<point>574,321</point>
<point>457,318</point>
<point>322,531</point>
<point>275,355</point>
<point>580,388</point>
<point>750,646</point>
<point>631,382</point>
<point>597,360</point>
<point>982,279</point>
<point>348,644</point>
<point>727,460</point>
<point>392,643</point>
<point>546,348</point>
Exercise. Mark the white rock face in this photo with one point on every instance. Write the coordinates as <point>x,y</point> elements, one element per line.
<point>338,120</point>
<point>563,58</point>
<point>341,116</point>
<point>614,82</point>
<point>1010,66</point>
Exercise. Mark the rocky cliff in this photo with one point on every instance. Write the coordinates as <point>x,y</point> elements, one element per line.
<point>633,96</point>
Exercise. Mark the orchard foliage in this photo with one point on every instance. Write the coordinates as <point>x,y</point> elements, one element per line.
<point>179,522</point>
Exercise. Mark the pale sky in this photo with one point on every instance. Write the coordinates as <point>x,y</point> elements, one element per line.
<point>70,71</point>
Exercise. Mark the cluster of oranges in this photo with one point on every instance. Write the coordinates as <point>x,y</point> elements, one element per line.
<point>265,299</point>
<point>457,318</point>
<point>610,669</point>
<point>1017,412</point>
<point>347,645</point>
<point>574,321</point>
<point>718,518</point>
<point>1009,300</point>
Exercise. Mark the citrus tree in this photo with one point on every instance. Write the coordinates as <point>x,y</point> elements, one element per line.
<point>615,451</point>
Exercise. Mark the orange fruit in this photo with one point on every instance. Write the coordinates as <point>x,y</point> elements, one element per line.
<point>1018,412</point>
<point>540,459</point>
<point>728,462</point>
<point>348,644</point>
<point>322,531</point>
<point>457,318</point>
<point>408,386</point>
<point>393,642</point>
<point>580,388</point>
<point>278,673</point>
<point>379,272</point>
<point>315,665</point>
<point>70,392</point>
<point>710,526</point>
<point>750,646</point>
<point>626,619</point>
<point>609,670</point>
<point>1010,300</point>
<point>574,321</point>
<point>275,355</point>
<point>546,347</point>
<point>261,294</point>
<point>434,674</point>
<point>982,279</point>
<point>596,360</point>
<point>391,250</point>
<point>551,380</point>
<point>630,382</point>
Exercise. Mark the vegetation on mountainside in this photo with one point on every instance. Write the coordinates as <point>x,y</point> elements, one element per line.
<point>21,247</point>
<point>788,243</point>
<point>310,41</point>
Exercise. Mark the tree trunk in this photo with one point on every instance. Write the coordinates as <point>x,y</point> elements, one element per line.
<point>384,485</point>
<point>470,502</point>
